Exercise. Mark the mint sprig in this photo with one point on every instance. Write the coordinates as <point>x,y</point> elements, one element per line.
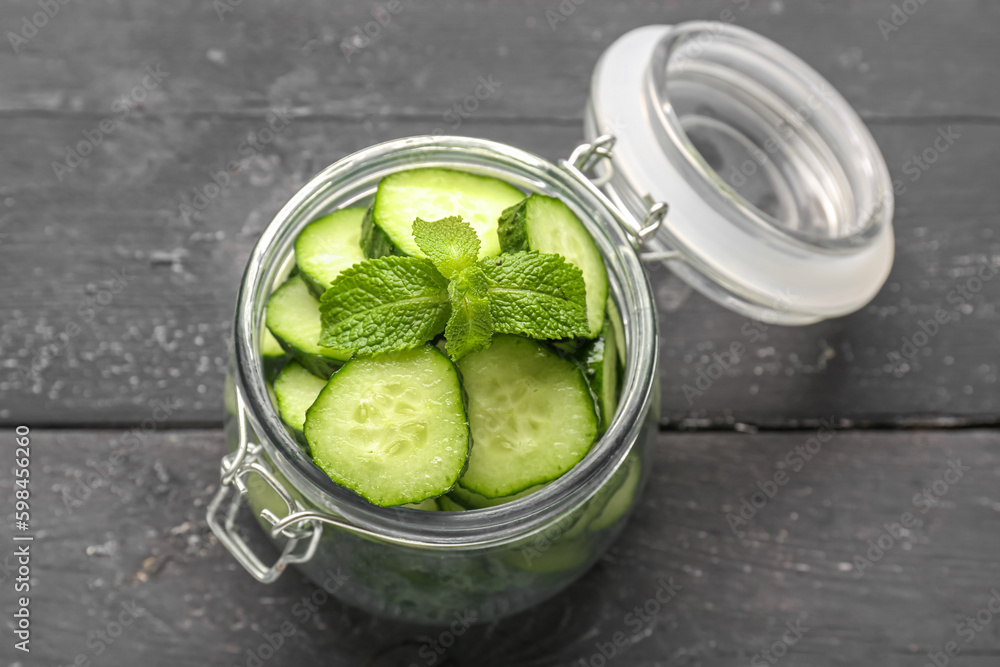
<point>538,295</point>
<point>385,304</point>
<point>450,243</point>
<point>397,303</point>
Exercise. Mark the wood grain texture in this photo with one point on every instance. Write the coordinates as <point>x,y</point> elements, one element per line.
<point>265,54</point>
<point>140,537</point>
<point>164,334</point>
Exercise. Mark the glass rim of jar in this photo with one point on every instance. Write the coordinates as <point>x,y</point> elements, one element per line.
<point>353,179</point>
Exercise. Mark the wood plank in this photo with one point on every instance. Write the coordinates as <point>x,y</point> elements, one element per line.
<point>140,538</point>
<point>430,56</point>
<point>165,335</point>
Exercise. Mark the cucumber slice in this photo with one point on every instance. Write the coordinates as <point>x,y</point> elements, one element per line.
<point>328,246</point>
<point>293,317</point>
<point>296,390</point>
<point>474,501</point>
<point>429,505</point>
<point>392,428</point>
<point>531,415</point>
<point>562,555</point>
<point>620,502</point>
<point>601,362</point>
<point>619,328</point>
<point>547,225</point>
<point>433,194</point>
<point>272,354</point>
<point>448,505</point>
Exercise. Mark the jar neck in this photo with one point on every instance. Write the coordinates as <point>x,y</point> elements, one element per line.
<point>352,181</point>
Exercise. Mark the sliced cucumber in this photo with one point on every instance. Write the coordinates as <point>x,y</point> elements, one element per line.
<point>272,354</point>
<point>474,501</point>
<point>531,415</point>
<point>392,428</point>
<point>429,505</point>
<point>601,362</point>
<point>446,504</point>
<point>433,194</point>
<point>296,390</point>
<point>328,246</point>
<point>621,500</point>
<point>561,555</point>
<point>547,225</point>
<point>619,328</point>
<point>293,317</point>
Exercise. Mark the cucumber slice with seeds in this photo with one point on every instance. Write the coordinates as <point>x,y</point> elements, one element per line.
<point>296,390</point>
<point>531,415</point>
<point>293,317</point>
<point>392,428</point>
<point>328,246</point>
<point>433,194</point>
<point>548,225</point>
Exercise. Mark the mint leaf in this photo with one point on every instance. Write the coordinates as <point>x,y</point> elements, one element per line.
<point>470,327</point>
<point>385,304</point>
<point>450,243</point>
<point>538,295</point>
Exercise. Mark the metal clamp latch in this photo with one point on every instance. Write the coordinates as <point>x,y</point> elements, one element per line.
<point>236,466</point>
<point>585,158</point>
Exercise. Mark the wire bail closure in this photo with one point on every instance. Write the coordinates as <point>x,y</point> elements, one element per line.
<point>586,157</point>
<point>236,467</point>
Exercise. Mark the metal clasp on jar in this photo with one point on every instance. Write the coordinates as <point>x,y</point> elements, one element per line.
<point>236,466</point>
<point>586,157</point>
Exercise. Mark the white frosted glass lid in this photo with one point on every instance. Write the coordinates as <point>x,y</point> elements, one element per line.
<point>780,203</point>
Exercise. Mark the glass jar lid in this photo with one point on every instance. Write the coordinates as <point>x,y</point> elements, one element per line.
<point>780,203</point>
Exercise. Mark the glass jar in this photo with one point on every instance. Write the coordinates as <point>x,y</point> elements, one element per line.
<point>425,566</point>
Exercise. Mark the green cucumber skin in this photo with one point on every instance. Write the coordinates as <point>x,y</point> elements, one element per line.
<point>314,363</point>
<point>600,364</point>
<point>437,493</point>
<point>513,228</point>
<point>473,501</point>
<point>376,243</point>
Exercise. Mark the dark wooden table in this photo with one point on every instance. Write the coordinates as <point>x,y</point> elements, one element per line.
<point>113,299</point>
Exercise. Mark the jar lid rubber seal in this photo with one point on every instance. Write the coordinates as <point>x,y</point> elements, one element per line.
<point>780,203</point>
